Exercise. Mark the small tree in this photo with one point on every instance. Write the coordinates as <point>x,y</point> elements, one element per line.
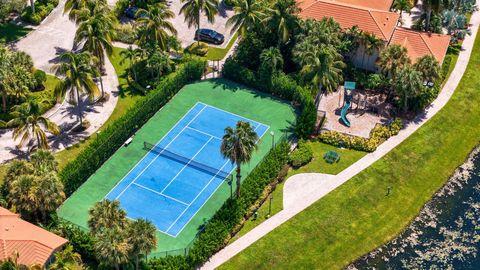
<point>106,215</point>
<point>408,84</point>
<point>142,236</point>
<point>192,10</point>
<point>428,67</point>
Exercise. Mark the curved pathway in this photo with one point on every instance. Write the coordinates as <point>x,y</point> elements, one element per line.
<point>303,190</point>
<point>54,36</point>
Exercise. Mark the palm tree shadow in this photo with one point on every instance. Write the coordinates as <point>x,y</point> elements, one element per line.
<point>58,52</point>
<point>222,10</point>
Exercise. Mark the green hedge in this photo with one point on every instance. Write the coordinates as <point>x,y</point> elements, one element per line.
<point>220,226</point>
<point>42,9</point>
<point>377,136</point>
<point>302,155</point>
<point>108,141</point>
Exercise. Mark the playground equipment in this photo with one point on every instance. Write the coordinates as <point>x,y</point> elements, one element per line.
<point>347,102</point>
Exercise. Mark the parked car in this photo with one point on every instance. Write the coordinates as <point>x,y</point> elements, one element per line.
<point>209,35</point>
<point>131,12</point>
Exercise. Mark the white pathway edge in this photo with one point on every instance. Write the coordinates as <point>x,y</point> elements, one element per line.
<point>321,184</point>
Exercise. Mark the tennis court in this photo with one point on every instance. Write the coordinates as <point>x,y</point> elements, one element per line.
<point>181,172</point>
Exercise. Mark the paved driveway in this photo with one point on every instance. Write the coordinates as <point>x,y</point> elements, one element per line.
<point>186,35</point>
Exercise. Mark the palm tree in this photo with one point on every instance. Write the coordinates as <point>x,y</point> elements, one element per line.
<point>402,5</point>
<point>282,19</point>
<point>192,10</point>
<point>428,67</point>
<point>20,194</point>
<point>29,123</point>
<point>248,14</point>
<point>142,236</point>
<point>5,62</point>
<point>272,59</point>
<point>355,35</point>
<point>67,259</point>
<point>112,248</point>
<point>158,63</point>
<point>393,58</point>
<point>15,169</point>
<point>155,23</point>
<point>371,43</point>
<point>77,71</point>
<point>322,66</point>
<point>131,55</point>
<point>43,162</point>
<point>106,215</point>
<point>407,84</point>
<point>430,6</point>
<point>238,146</point>
<point>48,193</point>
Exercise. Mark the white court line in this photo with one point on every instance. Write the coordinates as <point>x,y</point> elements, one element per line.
<point>156,192</point>
<point>199,131</point>
<point>178,122</point>
<point>144,169</point>
<point>186,165</point>
<point>194,214</point>
<point>258,123</point>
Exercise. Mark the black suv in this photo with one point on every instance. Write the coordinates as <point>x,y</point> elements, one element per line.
<point>209,35</point>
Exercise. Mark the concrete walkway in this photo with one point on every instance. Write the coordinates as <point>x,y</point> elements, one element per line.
<point>302,190</point>
<point>45,43</point>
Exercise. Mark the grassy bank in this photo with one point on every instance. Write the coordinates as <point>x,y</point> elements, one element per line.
<point>358,216</point>
<point>219,53</point>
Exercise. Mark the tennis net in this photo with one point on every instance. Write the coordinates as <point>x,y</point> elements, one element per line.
<point>187,161</point>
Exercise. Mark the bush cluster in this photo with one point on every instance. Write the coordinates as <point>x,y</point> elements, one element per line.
<point>103,146</point>
<point>197,48</point>
<point>302,155</point>
<point>282,86</point>
<point>377,136</point>
<point>220,226</point>
<point>42,9</point>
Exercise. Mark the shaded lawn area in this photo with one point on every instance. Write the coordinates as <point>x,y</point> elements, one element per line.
<point>125,102</point>
<point>358,217</point>
<point>317,165</point>
<point>10,32</point>
<point>219,53</point>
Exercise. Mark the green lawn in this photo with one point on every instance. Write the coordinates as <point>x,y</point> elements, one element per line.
<point>219,53</point>
<point>126,100</point>
<point>358,216</point>
<point>317,165</point>
<point>278,115</point>
<point>10,32</point>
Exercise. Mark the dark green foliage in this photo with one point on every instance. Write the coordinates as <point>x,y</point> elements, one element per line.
<point>40,78</point>
<point>81,241</point>
<point>212,238</point>
<point>42,9</point>
<point>447,62</point>
<point>301,156</point>
<point>307,119</point>
<point>105,144</point>
<point>197,48</point>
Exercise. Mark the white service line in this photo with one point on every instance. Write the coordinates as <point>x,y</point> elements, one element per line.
<point>156,192</point>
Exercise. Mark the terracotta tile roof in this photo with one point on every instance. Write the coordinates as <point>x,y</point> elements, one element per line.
<point>33,244</point>
<point>378,22</point>
<point>384,5</point>
<point>419,44</point>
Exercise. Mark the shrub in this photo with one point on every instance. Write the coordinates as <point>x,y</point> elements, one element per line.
<point>446,65</point>
<point>105,144</point>
<point>197,48</point>
<point>302,155</point>
<point>125,33</point>
<point>40,78</point>
<point>42,10</point>
<point>377,136</point>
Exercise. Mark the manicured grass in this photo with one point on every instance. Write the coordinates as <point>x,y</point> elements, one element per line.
<point>219,53</point>
<point>278,115</point>
<point>358,216</point>
<point>10,32</point>
<point>126,101</point>
<point>317,165</point>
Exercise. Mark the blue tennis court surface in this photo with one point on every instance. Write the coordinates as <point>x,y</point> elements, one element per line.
<point>169,190</point>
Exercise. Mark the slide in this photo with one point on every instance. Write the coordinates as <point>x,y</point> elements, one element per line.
<point>343,113</point>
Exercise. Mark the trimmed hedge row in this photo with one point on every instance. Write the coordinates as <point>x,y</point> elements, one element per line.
<point>378,135</point>
<point>42,9</point>
<point>225,220</point>
<point>108,141</point>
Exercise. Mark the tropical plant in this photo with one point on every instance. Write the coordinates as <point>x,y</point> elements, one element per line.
<point>272,59</point>
<point>408,84</point>
<point>142,237</point>
<point>455,23</point>
<point>402,5</point>
<point>158,63</point>
<point>155,25</point>
<point>393,58</point>
<point>238,145</point>
<point>66,259</point>
<point>43,162</point>
<point>30,124</point>
<point>21,196</point>
<point>371,43</point>
<point>131,55</point>
<point>112,248</point>
<point>78,73</point>
<point>192,10</point>
<point>248,14</point>
<point>429,7</point>
<point>428,67</point>
<point>48,191</point>
<point>106,215</point>
<point>282,18</point>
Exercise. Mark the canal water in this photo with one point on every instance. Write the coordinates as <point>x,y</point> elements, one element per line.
<point>446,234</point>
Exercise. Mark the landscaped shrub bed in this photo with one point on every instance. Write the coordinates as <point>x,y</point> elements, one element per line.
<point>42,9</point>
<point>302,155</point>
<point>108,141</point>
<point>227,218</point>
<point>378,135</point>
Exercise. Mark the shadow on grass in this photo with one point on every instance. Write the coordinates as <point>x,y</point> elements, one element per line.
<point>10,32</point>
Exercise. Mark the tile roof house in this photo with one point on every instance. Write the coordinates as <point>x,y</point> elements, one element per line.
<point>374,16</point>
<point>33,244</point>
